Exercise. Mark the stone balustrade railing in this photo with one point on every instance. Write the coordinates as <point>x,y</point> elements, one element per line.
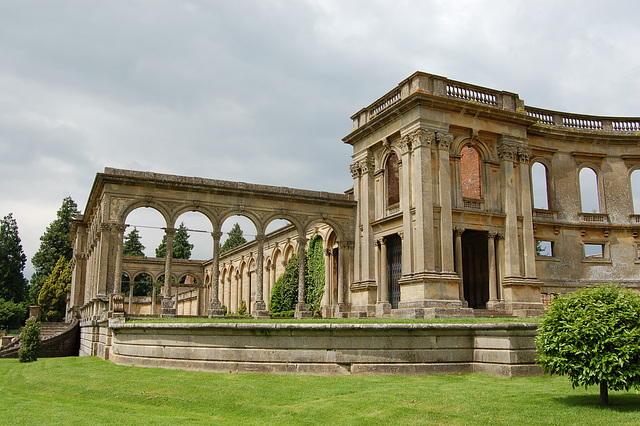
<point>441,86</point>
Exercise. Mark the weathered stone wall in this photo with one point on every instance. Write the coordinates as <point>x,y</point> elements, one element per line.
<point>322,349</point>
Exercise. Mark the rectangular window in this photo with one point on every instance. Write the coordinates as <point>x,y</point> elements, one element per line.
<point>638,250</point>
<point>594,251</point>
<point>544,248</point>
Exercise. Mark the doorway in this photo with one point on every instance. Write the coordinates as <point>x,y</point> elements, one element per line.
<point>475,268</point>
<point>394,268</point>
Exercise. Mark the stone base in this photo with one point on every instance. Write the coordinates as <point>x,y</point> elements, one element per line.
<point>383,309</point>
<point>259,309</point>
<point>302,311</point>
<point>168,310</point>
<point>496,305</point>
<point>342,311</point>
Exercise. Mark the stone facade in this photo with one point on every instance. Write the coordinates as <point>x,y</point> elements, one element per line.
<point>441,219</point>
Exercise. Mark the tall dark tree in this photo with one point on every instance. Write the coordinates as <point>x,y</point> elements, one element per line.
<point>235,239</point>
<point>53,295</point>
<point>53,245</point>
<point>181,247</point>
<point>12,261</point>
<point>132,245</point>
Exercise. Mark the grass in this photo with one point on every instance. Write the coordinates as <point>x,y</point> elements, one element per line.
<point>92,391</point>
<point>195,320</point>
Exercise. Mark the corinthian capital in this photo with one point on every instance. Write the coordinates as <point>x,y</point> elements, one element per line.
<point>355,170</point>
<point>404,144</point>
<point>524,155</point>
<point>366,166</point>
<point>444,141</point>
<point>422,138</point>
<point>507,152</point>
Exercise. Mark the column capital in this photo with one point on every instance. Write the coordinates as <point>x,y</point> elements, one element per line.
<point>443,141</point>
<point>260,238</point>
<point>302,241</point>
<point>499,235</point>
<point>492,234</point>
<point>422,138</point>
<point>170,231</point>
<point>507,151</point>
<point>216,235</point>
<point>524,155</point>
<point>355,170</point>
<point>366,166</point>
<point>458,231</point>
<point>120,227</point>
<point>404,144</point>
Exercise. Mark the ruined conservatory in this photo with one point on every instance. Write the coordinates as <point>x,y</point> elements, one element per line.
<point>463,199</point>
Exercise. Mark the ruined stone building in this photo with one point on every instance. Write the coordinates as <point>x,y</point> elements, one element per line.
<point>463,198</point>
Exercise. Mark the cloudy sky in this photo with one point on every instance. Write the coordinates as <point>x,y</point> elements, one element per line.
<point>262,91</point>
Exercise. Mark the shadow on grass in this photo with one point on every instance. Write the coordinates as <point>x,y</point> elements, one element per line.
<point>623,403</point>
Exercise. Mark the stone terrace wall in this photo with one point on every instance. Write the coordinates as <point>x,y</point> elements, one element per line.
<point>320,349</point>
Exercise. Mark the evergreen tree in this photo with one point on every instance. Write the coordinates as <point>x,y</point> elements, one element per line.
<point>314,275</point>
<point>234,240</point>
<point>53,245</point>
<point>284,294</point>
<point>12,262</point>
<point>132,245</point>
<point>181,247</point>
<point>53,295</point>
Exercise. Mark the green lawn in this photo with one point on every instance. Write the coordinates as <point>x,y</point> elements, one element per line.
<point>91,391</point>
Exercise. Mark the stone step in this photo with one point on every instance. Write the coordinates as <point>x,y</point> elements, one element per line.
<point>489,313</point>
<point>51,329</point>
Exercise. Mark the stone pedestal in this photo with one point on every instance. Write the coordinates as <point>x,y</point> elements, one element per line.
<point>383,309</point>
<point>302,311</point>
<point>215,310</point>
<point>522,297</point>
<point>35,312</point>
<point>259,310</point>
<point>168,310</point>
<point>341,311</point>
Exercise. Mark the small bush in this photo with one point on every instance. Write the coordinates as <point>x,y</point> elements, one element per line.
<point>242,309</point>
<point>30,341</point>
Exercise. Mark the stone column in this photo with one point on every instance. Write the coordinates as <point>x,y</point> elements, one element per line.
<point>154,286</point>
<point>405,206</point>
<point>500,264</point>
<point>458,261</point>
<point>507,153</point>
<point>383,307</point>
<point>168,308</point>
<point>302,310</point>
<point>131,285</point>
<point>493,289</point>
<point>343,246</point>
<point>117,279</point>
<point>424,250</point>
<point>215,306</point>
<point>367,216</point>
<point>328,285</point>
<point>376,252</point>
<point>444,142</point>
<point>356,173</point>
<point>259,307</point>
<point>529,245</point>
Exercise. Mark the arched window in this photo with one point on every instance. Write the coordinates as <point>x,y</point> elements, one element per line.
<point>589,191</point>
<point>470,173</point>
<point>393,180</point>
<point>635,191</point>
<point>539,183</point>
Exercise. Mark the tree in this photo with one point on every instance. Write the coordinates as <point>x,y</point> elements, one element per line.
<point>30,341</point>
<point>593,336</point>
<point>181,247</point>
<point>53,295</point>
<point>53,245</point>
<point>12,314</point>
<point>314,275</point>
<point>234,240</point>
<point>132,245</point>
<point>284,294</point>
<point>13,286</point>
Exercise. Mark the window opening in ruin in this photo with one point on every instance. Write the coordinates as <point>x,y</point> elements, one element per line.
<point>470,173</point>
<point>199,230</point>
<point>394,268</point>
<point>540,188</point>
<point>589,191</point>
<point>149,223</point>
<point>635,190</point>
<point>638,251</point>
<point>594,251</point>
<point>475,268</point>
<point>544,248</point>
<point>393,180</point>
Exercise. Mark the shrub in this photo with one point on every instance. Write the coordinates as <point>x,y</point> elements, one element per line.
<point>12,314</point>
<point>30,341</point>
<point>242,309</point>
<point>284,294</point>
<point>593,336</point>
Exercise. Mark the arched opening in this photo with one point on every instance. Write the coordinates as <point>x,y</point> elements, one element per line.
<point>470,173</point>
<point>280,237</point>
<point>393,180</point>
<point>540,186</point>
<point>199,228</point>
<point>149,224</point>
<point>635,190</point>
<point>589,198</point>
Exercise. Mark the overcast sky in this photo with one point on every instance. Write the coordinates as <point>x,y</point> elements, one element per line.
<point>262,91</point>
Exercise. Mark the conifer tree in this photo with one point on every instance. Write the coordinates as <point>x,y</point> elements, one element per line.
<point>235,239</point>
<point>53,295</point>
<point>132,245</point>
<point>181,247</point>
<point>12,262</point>
<point>53,245</point>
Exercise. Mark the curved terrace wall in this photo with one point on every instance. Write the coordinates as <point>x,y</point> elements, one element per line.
<point>320,349</point>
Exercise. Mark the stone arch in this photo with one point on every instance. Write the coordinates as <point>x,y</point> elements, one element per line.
<point>253,217</point>
<point>213,219</point>
<point>589,174</point>
<point>471,174</point>
<point>300,227</point>
<point>540,184</point>
<point>390,164</point>
<point>141,203</point>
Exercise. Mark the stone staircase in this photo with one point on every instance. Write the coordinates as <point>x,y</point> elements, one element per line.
<point>58,339</point>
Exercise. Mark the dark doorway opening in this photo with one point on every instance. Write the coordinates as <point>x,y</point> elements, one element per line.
<point>394,268</point>
<point>475,268</point>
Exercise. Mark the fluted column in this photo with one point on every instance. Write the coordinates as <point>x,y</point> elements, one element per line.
<point>168,308</point>
<point>443,142</point>
<point>493,289</point>
<point>405,206</point>
<point>529,245</point>
<point>424,249</point>
<point>507,153</point>
<point>215,306</point>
